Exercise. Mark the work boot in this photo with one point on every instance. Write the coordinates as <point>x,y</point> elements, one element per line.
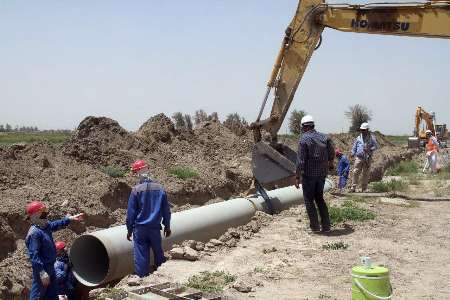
<point>326,229</point>
<point>353,188</point>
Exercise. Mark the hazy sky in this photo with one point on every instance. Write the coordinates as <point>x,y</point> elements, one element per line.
<point>61,61</point>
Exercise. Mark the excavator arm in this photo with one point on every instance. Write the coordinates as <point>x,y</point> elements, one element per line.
<point>273,161</point>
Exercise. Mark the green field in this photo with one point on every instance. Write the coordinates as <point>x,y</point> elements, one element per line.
<point>399,140</point>
<point>9,138</point>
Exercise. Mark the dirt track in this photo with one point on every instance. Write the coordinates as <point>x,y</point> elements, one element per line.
<point>68,178</point>
<point>410,238</point>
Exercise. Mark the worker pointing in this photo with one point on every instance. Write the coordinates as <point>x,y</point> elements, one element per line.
<point>147,208</point>
<point>363,148</point>
<point>42,250</point>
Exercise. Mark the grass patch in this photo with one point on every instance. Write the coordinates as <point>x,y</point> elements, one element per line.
<point>9,138</point>
<point>389,186</point>
<point>183,172</point>
<point>444,172</point>
<point>335,246</point>
<point>114,293</point>
<point>349,211</point>
<point>210,281</point>
<point>413,181</point>
<point>399,140</point>
<point>114,171</point>
<point>404,168</point>
<point>259,270</point>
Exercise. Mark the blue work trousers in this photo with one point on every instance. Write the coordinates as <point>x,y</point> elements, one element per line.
<point>38,291</point>
<point>144,239</point>
<point>342,181</point>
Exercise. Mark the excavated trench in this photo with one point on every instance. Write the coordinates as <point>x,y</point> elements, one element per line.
<point>69,178</point>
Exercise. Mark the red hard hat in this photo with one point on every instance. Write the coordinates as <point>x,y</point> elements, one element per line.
<point>34,207</point>
<point>60,245</point>
<point>138,165</point>
<point>338,152</point>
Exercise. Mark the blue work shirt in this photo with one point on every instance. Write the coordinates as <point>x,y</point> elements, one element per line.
<point>40,244</point>
<point>64,276</point>
<point>315,150</point>
<point>343,167</point>
<point>148,206</point>
<point>359,150</point>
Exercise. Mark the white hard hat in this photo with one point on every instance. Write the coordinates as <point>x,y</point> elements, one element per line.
<point>428,131</point>
<point>364,126</point>
<point>307,119</point>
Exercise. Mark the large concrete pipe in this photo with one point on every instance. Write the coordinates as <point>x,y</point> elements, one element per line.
<point>105,255</point>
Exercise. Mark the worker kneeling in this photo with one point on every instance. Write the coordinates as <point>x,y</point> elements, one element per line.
<point>147,207</point>
<point>64,276</point>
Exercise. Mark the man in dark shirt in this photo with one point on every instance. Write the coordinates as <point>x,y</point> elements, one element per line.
<point>315,156</point>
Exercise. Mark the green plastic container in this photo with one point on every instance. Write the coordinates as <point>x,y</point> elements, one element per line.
<point>371,283</point>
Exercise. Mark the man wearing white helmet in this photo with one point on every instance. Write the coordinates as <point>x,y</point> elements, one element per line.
<point>363,148</point>
<point>315,156</point>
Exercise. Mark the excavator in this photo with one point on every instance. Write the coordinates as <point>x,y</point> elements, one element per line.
<point>439,130</point>
<point>273,161</point>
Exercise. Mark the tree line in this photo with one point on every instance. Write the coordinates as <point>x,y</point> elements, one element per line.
<point>233,121</point>
<point>9,128</point>
<point>356,114</point>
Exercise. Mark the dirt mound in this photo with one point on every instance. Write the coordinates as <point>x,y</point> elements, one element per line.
<point>158,129</point>
<point>344,141</point>
<point>102,141</point>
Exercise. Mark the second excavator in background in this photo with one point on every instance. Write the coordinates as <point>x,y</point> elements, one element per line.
<point>428,120</point>
<point>273,161</point>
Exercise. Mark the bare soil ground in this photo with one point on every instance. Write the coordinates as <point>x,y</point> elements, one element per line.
<point>69,179</point>
<point>283,261</point>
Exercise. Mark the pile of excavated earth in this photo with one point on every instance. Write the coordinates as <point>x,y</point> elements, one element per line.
<point>69,179</point>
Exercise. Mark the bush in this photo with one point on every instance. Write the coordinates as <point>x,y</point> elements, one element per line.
<point>349,211</point>
<point>294,121</point>
<point>335,246</point>
<point>404,168</point>
<point>210,281</point>
<point>389,186</point>
<point>358,114</point>
<point>179,120</point>
<point>236,124</point>
<point>114,171</point>
<point>183,172</point>
<point>200,116</point>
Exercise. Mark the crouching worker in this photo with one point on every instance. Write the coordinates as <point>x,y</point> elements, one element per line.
<point>64,276</point>
<point>42,251</point>
<point>147,207</point>
<point>343,169</point>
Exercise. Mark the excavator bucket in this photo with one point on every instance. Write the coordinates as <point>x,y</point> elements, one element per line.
<point>272,164</point>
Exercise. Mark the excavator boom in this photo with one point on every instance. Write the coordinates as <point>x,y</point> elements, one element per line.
<point>273,161</point>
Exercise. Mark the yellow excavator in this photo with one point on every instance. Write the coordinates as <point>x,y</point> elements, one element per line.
<point>273,161</point>
<point>419,136</point>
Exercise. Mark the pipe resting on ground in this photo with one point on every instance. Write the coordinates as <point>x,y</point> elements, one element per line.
<point>105,255</point>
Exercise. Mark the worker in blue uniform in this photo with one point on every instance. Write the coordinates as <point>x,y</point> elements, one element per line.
<point>147,208</point>
<point>343,169</point>
<point>42,251</point>
<point>63,270</point>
